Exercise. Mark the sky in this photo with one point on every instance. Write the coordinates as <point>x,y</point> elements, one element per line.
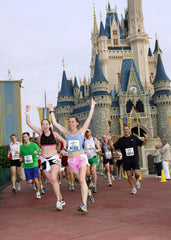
<point>37,34</point>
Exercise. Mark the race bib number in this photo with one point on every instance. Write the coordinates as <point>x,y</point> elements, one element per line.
<point>73,145</point>
<point>129,152</point>
<point>15,156</point>
<point>90,147</point>
<point>108,154</point>
<point>28,159</point>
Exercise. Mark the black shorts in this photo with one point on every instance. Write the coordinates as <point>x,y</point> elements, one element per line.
<point>130,164</point>
<point>16,163</point>
<point>43,165</point>
<point>110,161</point>
<point>119,163</point>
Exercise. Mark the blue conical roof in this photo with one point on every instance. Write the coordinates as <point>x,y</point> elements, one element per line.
<point>160,72</point>
<point>157,48</point>
<point>75,83</point>
<point>66,87</point>
<point>102,30</point>
<point>150,52</point>
<point>98,73</point>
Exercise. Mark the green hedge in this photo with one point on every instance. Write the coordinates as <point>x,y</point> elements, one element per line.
<point>4,161</point>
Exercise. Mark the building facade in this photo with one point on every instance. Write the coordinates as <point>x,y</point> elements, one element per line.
<point>128,81</point>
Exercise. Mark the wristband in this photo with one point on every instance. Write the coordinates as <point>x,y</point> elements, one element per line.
<point>51,112</point>
<point>146,138</point>
<point>27,113</point>
<point>92,106</point>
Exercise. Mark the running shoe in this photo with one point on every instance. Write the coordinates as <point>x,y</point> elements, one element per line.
<point>119,178</point>
<point>34,186</point>
<point>109,183</point>
<point>58,205</point>
<point>105,176</point>
<point>137,184</point>
<point>42,191</point>
<point>90,198</point>
<point>94,189</point>
<point>18,186</point>
<point>38,196</point>
<point>82,208</point>
<point>72,187</point>
<point>133,191</point>
<point>63,202</point>
<point>13,189</point>
<point>112,177</point>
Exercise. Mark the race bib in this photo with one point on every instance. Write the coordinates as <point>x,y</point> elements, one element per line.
<point>108,154</point>
<point>28,159</point>
<point>73,145</point>
<point>129,152</point>
<point>15,156</point>
<point>90,147</point>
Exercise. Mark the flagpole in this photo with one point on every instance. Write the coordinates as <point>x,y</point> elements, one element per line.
<point>45,107</point>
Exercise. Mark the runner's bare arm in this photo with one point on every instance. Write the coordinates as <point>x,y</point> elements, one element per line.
<point>54,122</point>
<point>87,122</point>
<point>29,123</point>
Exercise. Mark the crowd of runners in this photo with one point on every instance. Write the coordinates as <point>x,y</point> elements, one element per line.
<point>76,156</point>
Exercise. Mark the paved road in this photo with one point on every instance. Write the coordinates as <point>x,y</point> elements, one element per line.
<point>116,214</point>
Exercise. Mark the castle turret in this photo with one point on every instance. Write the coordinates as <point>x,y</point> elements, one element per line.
<point>65,101</point>
<point>76,90</point>
<point>99,90</point>
<point>162,98</point>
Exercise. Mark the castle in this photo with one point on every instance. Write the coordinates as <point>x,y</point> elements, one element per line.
<point>128,80</point>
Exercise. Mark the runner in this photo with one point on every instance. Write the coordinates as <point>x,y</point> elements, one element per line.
<point>28,155</point>
<point>77,159</point>
<point>107,153</point>
<point>128,144</point>
<point>14,156</point>
<point>91,147</point>
<point>50,160</point>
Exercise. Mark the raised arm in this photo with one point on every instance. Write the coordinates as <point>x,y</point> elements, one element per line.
<point>54,122</point>
<point>29,123</point>
<point>147,135</point>
<point>87,122</point>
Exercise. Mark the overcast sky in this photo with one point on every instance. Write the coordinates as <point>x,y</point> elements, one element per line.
<point>37,34</point>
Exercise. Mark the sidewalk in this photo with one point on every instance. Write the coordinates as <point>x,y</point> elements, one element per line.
<point>116,214</point>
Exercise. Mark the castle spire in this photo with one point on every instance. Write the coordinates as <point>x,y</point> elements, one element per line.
<point>102,30</point>
<point>98,73</point>
<point>160,73</point>
<point>157,48</point>
<point>95,28</point>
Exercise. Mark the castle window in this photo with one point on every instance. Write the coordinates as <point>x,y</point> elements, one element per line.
<point>114,32</point>
<point>115,41</point>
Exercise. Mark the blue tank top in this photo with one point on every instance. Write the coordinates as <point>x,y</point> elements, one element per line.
<point>74,143</point>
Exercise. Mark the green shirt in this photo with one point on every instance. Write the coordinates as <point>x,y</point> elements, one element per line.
<point>30,159</point>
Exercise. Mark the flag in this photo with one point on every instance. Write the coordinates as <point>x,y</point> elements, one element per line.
<point>44,114</point>
<point>10,111</point>
<point>66,123</point>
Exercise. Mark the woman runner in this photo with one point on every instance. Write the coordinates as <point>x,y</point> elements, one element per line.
<point>77,159</point>
<point>50,161</point>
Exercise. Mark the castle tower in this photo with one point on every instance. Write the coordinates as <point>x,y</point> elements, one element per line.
<point>65,101</point>
<point>162,98</point>
<point>99,90</point>
<point>138,40</point>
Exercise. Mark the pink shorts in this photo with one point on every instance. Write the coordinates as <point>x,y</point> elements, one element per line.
<point>77,162</point>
